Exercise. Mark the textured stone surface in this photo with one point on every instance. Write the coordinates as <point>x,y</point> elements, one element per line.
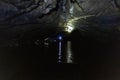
<point>28,11</point>
<point>24,11</point>
<point>96,44</point>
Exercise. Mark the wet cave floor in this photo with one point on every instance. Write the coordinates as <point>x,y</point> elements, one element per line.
<point>26,58</point>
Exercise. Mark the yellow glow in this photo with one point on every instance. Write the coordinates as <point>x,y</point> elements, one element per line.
<point>69,24</point>
<point>69,29</point>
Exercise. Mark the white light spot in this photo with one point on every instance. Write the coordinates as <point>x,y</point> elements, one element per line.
<point>60,37</point>
<point>69,29</point>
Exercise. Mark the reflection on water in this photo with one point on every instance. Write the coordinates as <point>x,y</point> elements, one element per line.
<point>69,55</point>
<point>58,49</point>
<point>60,53</point>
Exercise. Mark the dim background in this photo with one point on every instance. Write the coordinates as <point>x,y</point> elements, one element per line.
<point>95,42</point>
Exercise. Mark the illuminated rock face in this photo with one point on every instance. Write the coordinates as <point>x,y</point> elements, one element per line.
<point>99,7</point>
<point>25,11</point>
<point>96,7</point>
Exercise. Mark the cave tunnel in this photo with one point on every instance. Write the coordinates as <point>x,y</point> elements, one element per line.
<point>59,39</point>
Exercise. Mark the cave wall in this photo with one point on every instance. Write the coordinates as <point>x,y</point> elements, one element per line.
<point>31,11</point>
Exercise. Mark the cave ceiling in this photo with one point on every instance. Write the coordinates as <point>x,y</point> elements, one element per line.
<point>35,11</point>
<point>22,16</point>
